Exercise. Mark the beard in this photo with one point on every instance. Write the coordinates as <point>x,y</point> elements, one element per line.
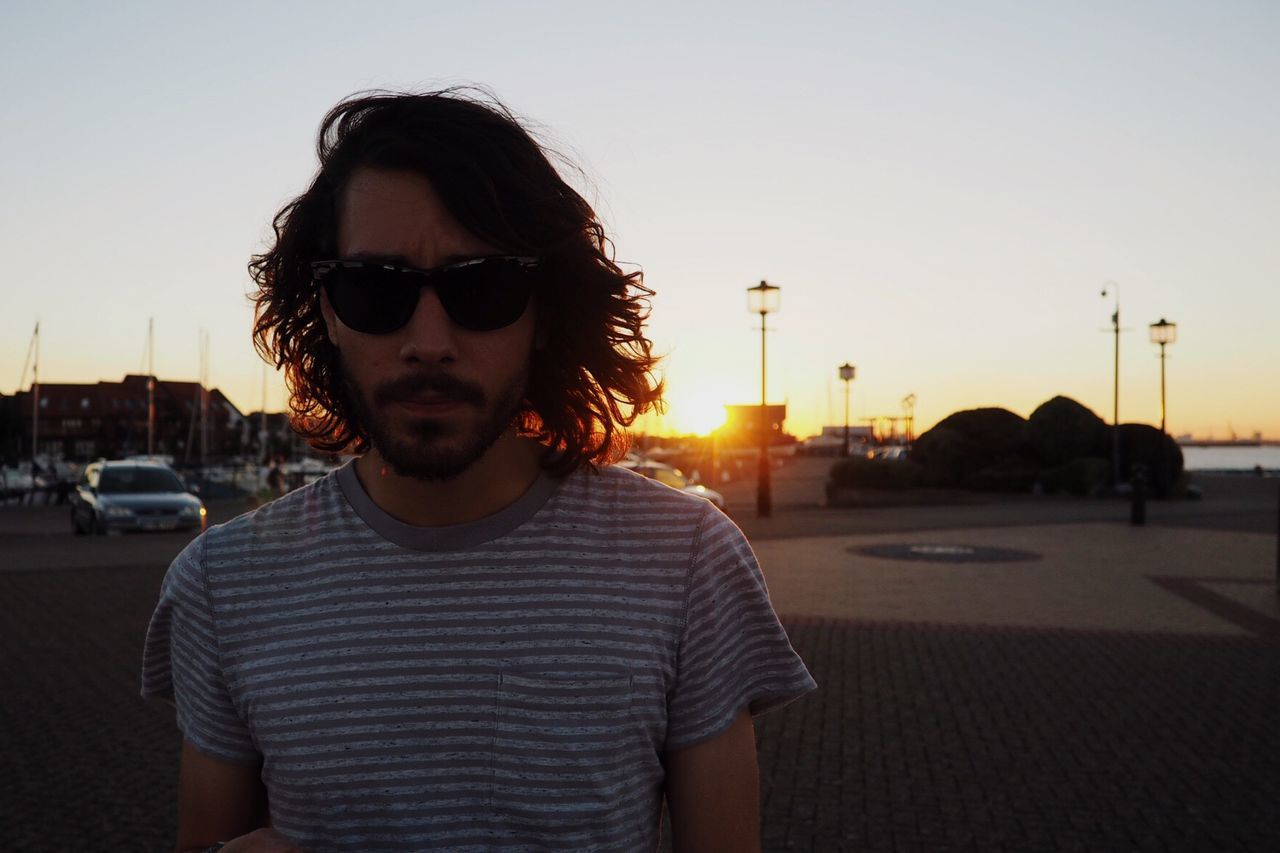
<point>434,449</point>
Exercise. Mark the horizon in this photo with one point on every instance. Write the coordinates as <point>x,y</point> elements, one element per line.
<point>940,193</point>
<point>636,432</point>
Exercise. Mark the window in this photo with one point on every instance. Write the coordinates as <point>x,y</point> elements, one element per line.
<point>44,402</point>
<point>72,423</point>
<point>84,402</point>
<point>86,449</point>
<point>130,480</point>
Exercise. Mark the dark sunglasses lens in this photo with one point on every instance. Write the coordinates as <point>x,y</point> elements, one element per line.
<point>485,296</point>
<point>372,300</point>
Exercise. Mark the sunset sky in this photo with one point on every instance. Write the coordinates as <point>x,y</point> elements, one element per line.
<point>940,189</point>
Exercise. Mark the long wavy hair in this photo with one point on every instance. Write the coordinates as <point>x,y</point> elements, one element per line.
<point>595,374</point>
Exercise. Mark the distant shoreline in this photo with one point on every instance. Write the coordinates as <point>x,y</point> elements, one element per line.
<point>1230,442</point>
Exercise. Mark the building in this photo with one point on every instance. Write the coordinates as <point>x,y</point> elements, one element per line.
<point>830,442</point>
<point>77,422</point>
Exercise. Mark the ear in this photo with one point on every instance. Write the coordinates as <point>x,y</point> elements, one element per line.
<point>330,319</point>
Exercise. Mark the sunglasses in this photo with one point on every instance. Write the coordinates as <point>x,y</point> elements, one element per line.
<point>479,295</point>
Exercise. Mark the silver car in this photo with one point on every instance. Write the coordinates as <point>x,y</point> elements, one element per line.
<point>134,495</point>
<point>672,477</point>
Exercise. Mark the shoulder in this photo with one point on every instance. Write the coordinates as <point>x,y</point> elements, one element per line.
<point>628,491</point>
<point>622,502</point>
<point>303,511</point>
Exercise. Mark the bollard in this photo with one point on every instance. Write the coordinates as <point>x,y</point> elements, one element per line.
<point>1138,497</point>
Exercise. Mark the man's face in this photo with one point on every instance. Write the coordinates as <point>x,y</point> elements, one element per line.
<point>432,396</point>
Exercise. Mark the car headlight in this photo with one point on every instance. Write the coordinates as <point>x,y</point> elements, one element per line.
<point>189,511</point>
<point>117,512</point>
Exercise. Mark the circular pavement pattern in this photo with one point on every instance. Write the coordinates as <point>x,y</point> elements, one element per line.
<point>947,553</point>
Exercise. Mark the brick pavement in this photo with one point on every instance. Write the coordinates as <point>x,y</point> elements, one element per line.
<point>961,738</point>
<point>1128,717</point>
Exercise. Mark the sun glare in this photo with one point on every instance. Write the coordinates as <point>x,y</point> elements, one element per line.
<point>694,414</point>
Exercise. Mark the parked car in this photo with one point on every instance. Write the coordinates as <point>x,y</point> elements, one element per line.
<point>133,495</point>
<point>672,477</point>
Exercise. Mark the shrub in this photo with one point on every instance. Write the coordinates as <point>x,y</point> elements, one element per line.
<point>1159,454</point>
<point>1062,430</point>
<point>860,472</point>
<point>1086,475</point>
<point>967,442</point>
<point>1012,475</point>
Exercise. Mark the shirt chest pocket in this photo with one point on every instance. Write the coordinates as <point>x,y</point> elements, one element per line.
<point>563,745</point>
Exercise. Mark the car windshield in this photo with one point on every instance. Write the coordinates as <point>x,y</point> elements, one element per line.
<point>120,481</point>
<point>670,476</point>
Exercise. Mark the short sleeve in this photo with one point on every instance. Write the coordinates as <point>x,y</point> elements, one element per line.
<point>734,654</point>
<point>181,663</point>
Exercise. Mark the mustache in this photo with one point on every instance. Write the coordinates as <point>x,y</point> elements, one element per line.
<point>437,384</point>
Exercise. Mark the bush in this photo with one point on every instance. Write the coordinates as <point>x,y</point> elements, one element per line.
<point>1012,475</point>
<point>1159,454</point>
<point>1061,430</point>
<point>1086,475</point>
<point>967,442</point>
<point>860,472</point>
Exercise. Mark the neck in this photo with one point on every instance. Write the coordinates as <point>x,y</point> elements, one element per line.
<point>494,481</point>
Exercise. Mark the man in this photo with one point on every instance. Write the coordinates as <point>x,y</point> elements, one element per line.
<point>478,635</point>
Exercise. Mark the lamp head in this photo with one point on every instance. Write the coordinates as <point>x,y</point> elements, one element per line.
<point>1163,332</point>
<point>763,298</point>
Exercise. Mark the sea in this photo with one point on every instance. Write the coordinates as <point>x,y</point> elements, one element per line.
<point>1232,458</point>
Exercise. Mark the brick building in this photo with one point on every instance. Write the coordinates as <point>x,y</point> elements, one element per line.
<point>82,421</point>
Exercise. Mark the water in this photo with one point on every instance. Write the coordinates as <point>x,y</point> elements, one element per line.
<point>1231,458</point>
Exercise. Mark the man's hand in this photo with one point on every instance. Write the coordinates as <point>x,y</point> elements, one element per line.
<point>713,793</point>
<point>261,841</point>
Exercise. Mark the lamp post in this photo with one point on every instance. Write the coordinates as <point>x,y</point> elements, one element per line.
<point>1163,333</point>
<point>1115,388</point>
<point>909,410</point>
<point>847,372</point>
<point>763,299</point>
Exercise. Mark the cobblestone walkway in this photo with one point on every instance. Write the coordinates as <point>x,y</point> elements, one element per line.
<point>922,737</point>
<point>960,738</point>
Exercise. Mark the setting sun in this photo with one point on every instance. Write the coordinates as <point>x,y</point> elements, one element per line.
<point>693,413</point>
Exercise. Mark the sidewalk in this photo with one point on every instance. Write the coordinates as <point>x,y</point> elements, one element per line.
<point>1086,577</point>
<point>1116,690</point>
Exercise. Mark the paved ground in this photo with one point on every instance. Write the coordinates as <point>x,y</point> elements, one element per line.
<point>1120,691</point>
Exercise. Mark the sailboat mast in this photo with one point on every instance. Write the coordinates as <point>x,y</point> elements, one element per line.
<point>151,387</point>
<point>35,395</point>
<point>204,398</point>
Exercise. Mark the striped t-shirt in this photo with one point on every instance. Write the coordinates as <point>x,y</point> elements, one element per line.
<point>506,684</point>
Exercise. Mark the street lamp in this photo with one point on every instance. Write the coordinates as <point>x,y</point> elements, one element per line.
<point>1163,333</point>
<point>763,299</point>
<point>909,409</point>
<point>847,372</point>
<point>1115,387</point>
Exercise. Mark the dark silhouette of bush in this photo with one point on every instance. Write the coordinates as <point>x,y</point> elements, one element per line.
<point>1158,453</point>
<point>1084,475</point>
<point>1061,430</point>
<point>1012,475</point>
<point>860,472</point>
<point>964,443</point>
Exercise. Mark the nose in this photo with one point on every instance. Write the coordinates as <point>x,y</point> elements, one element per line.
<point>429,334</point>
